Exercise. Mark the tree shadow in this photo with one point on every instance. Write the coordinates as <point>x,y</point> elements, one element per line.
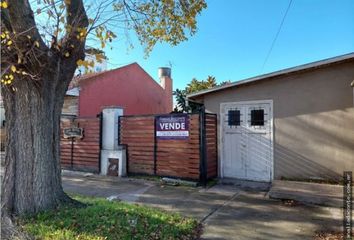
<point>314,146</point>
<point>249,215</point>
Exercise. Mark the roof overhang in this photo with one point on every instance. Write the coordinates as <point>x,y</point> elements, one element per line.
<point>303,67</point>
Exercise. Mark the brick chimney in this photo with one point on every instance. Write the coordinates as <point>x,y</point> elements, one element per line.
<point>166,83</point>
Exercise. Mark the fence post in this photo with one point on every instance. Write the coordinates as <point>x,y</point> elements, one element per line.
<point>72,154</point>
<point>72,146</point>
<point>155,147</point>
<point>100,116</point>
<point>202,147</point>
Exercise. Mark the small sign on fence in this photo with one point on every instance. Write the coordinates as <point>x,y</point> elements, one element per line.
<point>172,126</point>
<point>73,132</point>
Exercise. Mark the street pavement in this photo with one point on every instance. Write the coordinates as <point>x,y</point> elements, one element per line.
<point>314,193</point>
<point>226,211</point>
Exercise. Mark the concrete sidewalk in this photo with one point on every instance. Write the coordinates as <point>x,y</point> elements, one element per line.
<point>112,188</point>
<point>310,193</point>
<point>226,211</point>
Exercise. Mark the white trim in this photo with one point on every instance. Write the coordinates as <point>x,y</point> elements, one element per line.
<point>221,135</point>
<point>270,101</point>
<point>272,138</point>
<point>276,73</point>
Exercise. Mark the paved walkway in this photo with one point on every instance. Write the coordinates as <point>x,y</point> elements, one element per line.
<point>313,193</point>
<point>228,212</point>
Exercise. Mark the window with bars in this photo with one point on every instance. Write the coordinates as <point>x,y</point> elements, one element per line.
<point>234,118</point>
<point>257,117</point>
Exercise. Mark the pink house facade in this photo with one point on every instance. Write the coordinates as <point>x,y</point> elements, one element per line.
<point>129,87</point>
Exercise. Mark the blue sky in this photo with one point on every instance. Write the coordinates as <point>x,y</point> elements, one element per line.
<point>234,37</point>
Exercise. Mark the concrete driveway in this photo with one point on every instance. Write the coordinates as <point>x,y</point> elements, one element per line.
<point>227,212</point>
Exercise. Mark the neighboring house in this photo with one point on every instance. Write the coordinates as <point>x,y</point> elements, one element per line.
<point>295,123</point>
<point>100,64</point>
<point>71,102</point>
<point>129,87</point>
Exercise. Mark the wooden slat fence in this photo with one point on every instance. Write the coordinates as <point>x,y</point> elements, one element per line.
<point>138,134</point>
<point>180,158</point>
<point>175,158</point>
<point>81,154</point>
<point>211,145</point>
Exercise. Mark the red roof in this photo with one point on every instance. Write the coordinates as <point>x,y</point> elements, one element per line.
<point>82,78</point>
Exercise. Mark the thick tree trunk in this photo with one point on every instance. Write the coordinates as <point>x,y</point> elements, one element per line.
<point>32,179</point>
<point>9,231</point>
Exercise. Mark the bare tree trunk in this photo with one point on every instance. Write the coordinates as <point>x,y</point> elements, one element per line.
<point>32,180</point>
<point>9,230</point>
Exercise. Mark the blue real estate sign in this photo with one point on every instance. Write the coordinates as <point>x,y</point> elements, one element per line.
<point>172,126</point>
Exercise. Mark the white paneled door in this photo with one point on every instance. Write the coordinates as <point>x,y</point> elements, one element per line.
<point>246,136</point>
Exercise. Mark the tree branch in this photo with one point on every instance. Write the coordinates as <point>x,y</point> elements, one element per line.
<point>22,19</point>
<point>76,18</point>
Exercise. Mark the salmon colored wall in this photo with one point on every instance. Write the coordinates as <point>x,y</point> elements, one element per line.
<point>129,87</point>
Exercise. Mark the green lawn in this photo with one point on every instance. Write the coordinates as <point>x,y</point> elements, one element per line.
<point>103,219</point>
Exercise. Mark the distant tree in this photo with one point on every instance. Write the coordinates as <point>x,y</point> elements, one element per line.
<point>224,83</point>
<point>192,87</point>
<point>180,99</point>
<point>196,86</point>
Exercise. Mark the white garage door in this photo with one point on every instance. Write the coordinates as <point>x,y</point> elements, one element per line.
<point>247,148</point>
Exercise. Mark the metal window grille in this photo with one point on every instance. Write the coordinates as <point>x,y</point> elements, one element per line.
<point>234,118</point>
<point>257,117</point>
